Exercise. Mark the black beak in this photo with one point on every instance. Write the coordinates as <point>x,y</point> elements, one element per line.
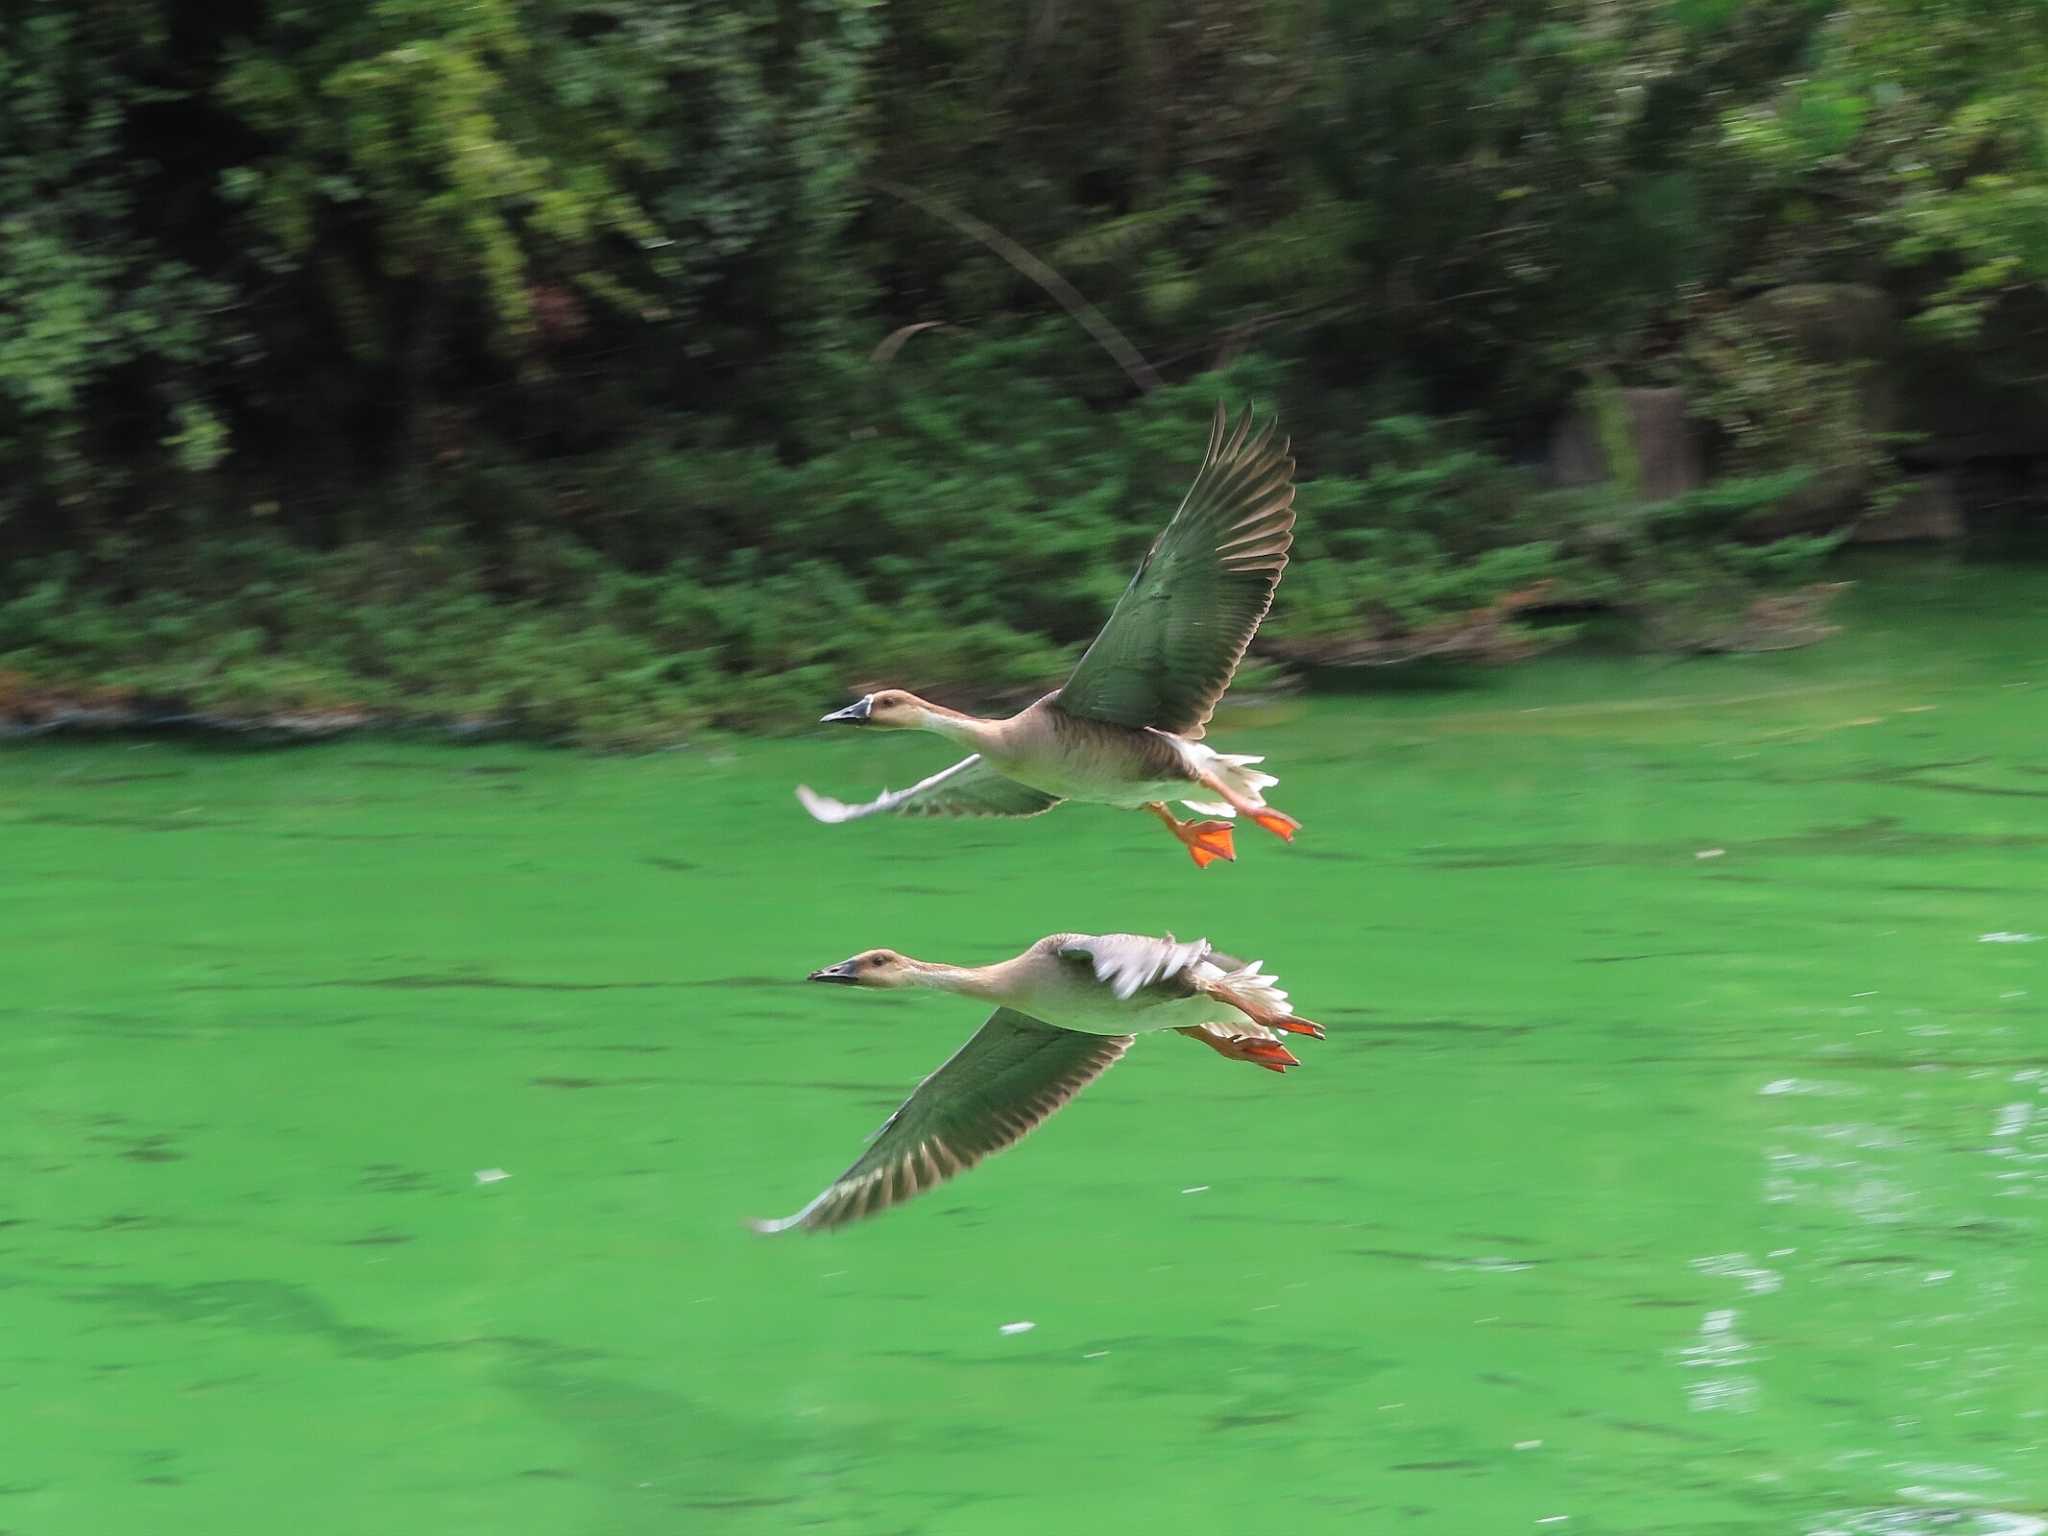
<point>855,713</point>
<point>845,972</point>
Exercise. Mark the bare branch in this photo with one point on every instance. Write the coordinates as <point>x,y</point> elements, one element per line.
<point>1091,319</point>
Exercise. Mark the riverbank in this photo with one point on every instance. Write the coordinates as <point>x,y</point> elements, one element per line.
<point>462,669</point>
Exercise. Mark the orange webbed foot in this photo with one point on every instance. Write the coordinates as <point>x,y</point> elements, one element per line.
<point>1205,841</point>
<point>1279,823</point>
<point>1208,841</point>
<point>1296,1026</point>
<point>1270,1054</point>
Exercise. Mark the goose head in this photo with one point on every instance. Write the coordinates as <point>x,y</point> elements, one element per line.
<point>890,709</point>
<point>870,968</point>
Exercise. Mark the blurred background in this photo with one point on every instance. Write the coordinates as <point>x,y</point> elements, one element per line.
<point>1659,677</point>
<point>607,371</point>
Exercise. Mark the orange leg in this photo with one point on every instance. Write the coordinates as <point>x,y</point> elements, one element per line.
<point>1279,823</point>
<point>1270,1054</point>
<point>1295,1026</point>
<point>1249,1004</point>
<point>1205,841</point>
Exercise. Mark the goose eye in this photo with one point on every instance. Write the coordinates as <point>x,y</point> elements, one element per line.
<point>874,961</point>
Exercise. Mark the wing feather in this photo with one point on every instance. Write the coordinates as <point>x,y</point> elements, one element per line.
<point>969,788</point>
<point>1011,1075</point>
<point>1127,963</point>
<point>1176,636</point>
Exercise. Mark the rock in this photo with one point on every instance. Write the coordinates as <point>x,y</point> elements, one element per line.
<point>1778,621</point>
<point>1665,439</point>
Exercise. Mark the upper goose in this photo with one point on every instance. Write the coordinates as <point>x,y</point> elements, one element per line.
<point>1066,1009</point>
<point>1126,728</point>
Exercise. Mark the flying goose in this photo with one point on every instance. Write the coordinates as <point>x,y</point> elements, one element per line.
<point>1065,1010</point>
<point>1126,729</point>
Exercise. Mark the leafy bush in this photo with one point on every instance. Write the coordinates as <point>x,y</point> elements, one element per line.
<point>966,541</point>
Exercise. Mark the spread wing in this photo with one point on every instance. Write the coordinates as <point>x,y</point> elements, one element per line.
<point>1127,963</point>
<point>994,1090</point>
<point>969,788</point>
<point>1176,636</point>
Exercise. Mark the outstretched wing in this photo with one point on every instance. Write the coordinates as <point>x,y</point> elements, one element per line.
<point>969,788</point>
<point>1177,634</point>
<point>1127,963</point>
<point>994,1090</point>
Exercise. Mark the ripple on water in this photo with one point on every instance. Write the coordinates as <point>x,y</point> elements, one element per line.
<point>1930,1520</point>
<point>1719,1357</point>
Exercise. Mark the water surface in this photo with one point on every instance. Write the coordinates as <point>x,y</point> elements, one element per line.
<point>377,1123</point>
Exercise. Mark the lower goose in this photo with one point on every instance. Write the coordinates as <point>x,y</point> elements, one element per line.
<point>1066,1010</point>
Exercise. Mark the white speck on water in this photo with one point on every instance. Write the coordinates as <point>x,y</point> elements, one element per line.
<point>1780,1253</point>
<point>2008,938</point>
<point>491,1175</point>
<point>1553,1519</point>
<point>2006,997</point>
<point>1704,853</point>
<point>1009,1328</point>
<point>1756,1280</point>
<point>1095,1354</point>
<point>1720,1355</point>
<point>1528,1445</point>
<point>1863,994</point>
<point>1195,1189</point>
<point>1800,1085</point>
<point>1936,1276</point>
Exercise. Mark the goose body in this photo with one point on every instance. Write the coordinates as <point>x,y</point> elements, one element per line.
<point>1066,1010</point>
<point>1126,729</point>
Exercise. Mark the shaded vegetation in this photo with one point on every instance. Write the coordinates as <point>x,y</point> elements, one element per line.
<point>518,361</point>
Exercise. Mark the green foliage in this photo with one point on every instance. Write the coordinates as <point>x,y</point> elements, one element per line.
<point>557,318</point>
<point>87,296</point>
<point>967,545</point>
<point>1918,136</point>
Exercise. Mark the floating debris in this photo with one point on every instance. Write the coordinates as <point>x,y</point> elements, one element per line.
<point>1196,1189</point>
<point>491,1175</point>
<point>1009,1328</point>
<point>1708,853</point>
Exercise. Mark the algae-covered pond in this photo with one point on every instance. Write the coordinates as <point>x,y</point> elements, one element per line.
<point>377,1125</point>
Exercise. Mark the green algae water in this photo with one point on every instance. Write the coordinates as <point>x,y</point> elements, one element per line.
<point>378,1122</point>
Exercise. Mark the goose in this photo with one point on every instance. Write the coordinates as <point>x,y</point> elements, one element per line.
<point>1066,1010</point>
<point>1126,729</point>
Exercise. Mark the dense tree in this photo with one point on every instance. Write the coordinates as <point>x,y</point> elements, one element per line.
<point>503,310</point>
